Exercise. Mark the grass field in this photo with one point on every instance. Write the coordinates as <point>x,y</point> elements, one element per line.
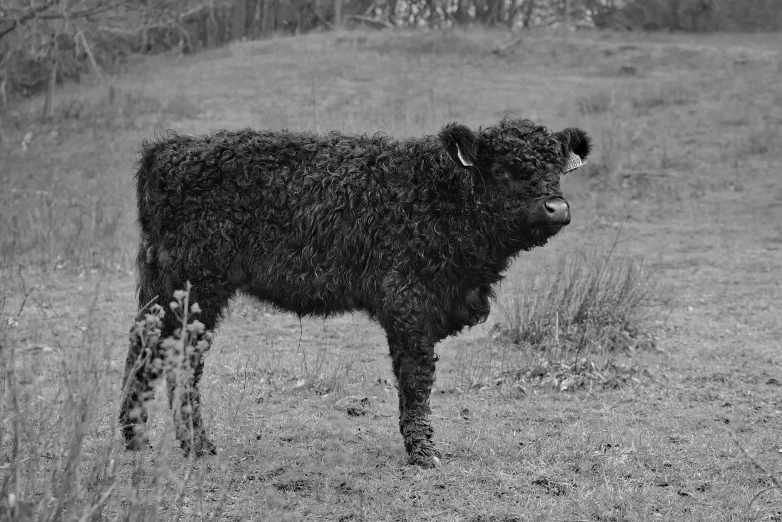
<point>685,178</point>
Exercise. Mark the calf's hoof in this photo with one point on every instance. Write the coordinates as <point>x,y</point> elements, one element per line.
<point>140,445</point>
<point>135,441</point>
<point>426,458</point>
<point>199,447</point>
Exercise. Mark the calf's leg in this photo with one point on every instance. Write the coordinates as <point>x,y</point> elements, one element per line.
<point>183,373</point>
<point>143,364</point>
<point>184,370</point>
<point>142,369</point>
<point>148,356</point>
<point>414,369</point>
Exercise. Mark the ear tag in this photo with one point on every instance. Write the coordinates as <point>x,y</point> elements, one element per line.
<point>573,162</point>
<point>462,158</point>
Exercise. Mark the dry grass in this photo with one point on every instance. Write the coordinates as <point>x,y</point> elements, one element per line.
<point>304,413</point>
<point>588,301</point>
<point>61,463</point>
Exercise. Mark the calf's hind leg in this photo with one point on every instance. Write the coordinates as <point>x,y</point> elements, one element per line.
<point>142,369</point>
<point>149,354</point>
<point>183,373</point>
<point>184,370</point>
<point>143,364</point>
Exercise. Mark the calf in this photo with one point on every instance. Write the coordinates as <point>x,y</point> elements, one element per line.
<point>414,232</point>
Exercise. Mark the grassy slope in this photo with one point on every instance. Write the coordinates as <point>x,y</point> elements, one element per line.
<point>688,147</point>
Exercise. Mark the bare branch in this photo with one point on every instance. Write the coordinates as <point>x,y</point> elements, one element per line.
<point>370,21</point>
<point>17,19</point>
<point>93,62</point>
<point>100,8</point>
<point>192,12</point>
<point>320,18</point>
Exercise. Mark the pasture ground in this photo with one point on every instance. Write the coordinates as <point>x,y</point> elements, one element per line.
<point>685,172</point>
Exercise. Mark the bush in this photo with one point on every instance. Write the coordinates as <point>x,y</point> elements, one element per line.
<point>573,322</point>
<point>588,304</point>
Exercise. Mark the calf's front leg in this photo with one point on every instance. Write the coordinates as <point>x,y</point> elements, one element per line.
<point>414,367</point>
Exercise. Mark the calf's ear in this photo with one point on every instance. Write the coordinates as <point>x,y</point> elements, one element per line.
<point>576,141</point>
<point>576,146</point>
<point>461,144</point>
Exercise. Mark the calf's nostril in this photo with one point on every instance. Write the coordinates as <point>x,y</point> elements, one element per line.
<point>556,207</point>
<point>558,210</point>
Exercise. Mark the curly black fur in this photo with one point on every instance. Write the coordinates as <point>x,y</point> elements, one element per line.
<point>413,232</point>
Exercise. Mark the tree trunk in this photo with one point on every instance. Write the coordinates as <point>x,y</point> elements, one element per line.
<point>2,105</point>
<point>481,11</point>
<point>239,19</point>
<point>3,82</point>
<point>257,19</point>
<point>674,13</point>
<point>527,13</point>
<point>462,15</point>
<point>337,13</point>
<point>268,19</point>
<point>433,18</point>
<point>513,12</point>
<point>211,26</point>
<point>391,11</point>
<point>48,102</point>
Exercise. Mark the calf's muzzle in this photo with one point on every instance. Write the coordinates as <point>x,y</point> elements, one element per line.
<point>557,211</point>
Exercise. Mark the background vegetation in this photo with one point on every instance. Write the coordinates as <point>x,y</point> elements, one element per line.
<point>630,370</point>
<point>44,42</point>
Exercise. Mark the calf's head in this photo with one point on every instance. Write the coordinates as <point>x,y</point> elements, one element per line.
<point>520,164</point>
